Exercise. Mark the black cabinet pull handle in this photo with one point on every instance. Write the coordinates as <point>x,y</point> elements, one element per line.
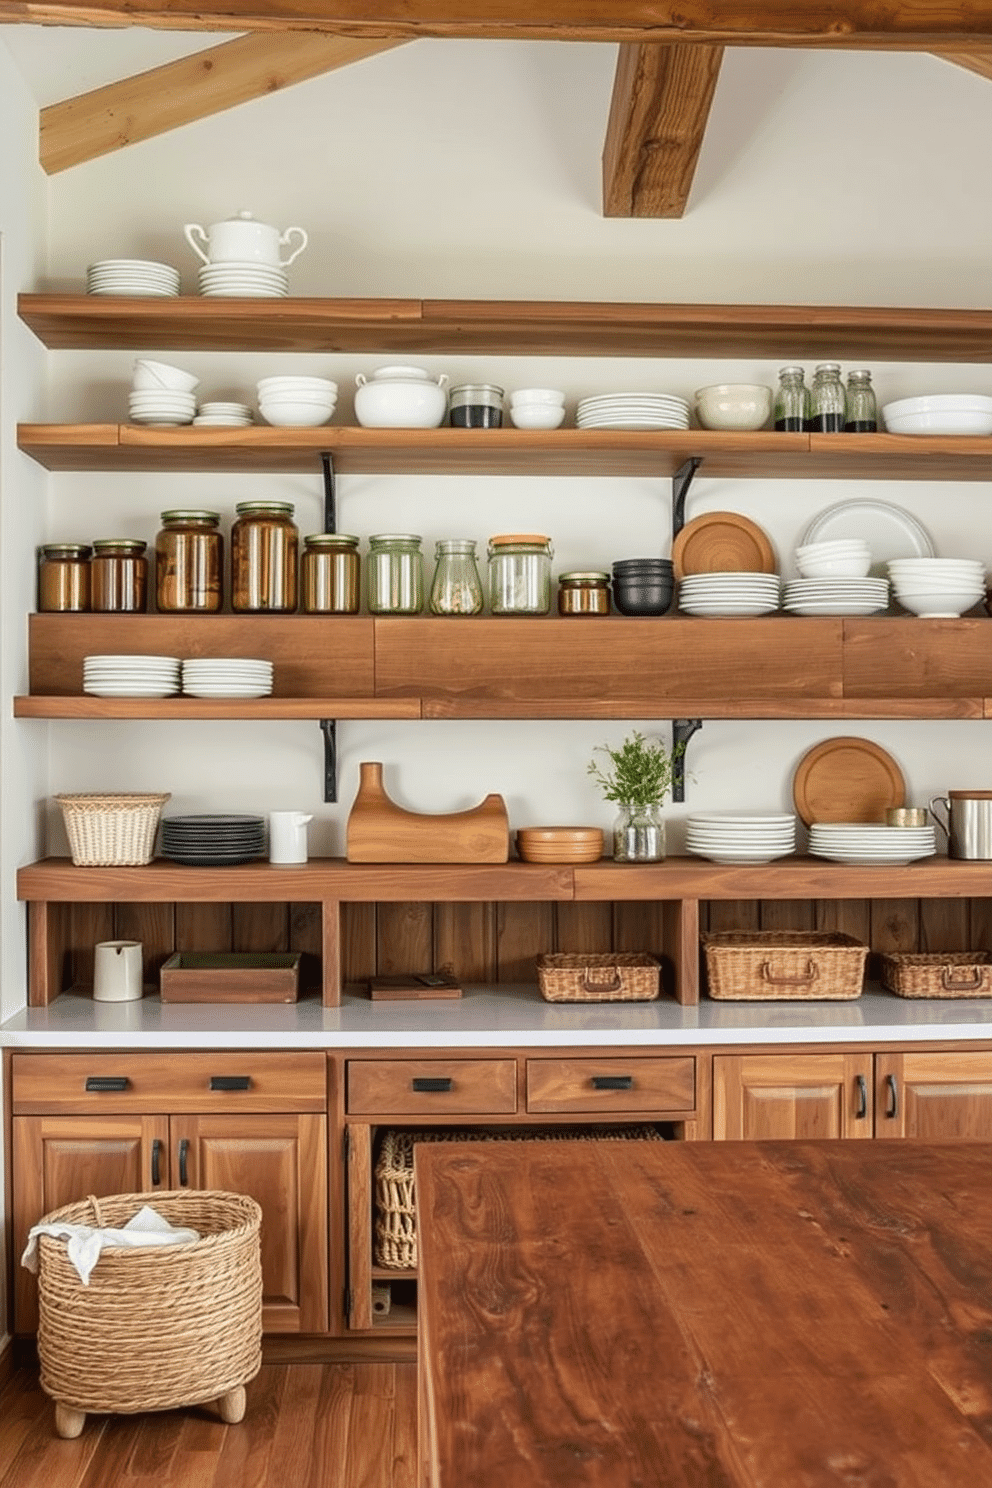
<point>862,1108</point>
<point>156,1161</point>
<point>612,1082</point>
<point>892,1105</point>
<point>230,1082</point>
<point>183,1158</point>
<point>424,1083</point>
<point>107,1082</point>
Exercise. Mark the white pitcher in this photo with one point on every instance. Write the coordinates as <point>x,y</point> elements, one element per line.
<point>288,836</point>
<point>240,239</point>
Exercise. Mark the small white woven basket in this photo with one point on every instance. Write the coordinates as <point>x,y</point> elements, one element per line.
<point>112,830</point>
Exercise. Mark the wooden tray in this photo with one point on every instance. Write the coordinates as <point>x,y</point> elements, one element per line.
<point>847,779</point>
<point>722,542</point>
<point>231,976</point>
<point>412,988</point>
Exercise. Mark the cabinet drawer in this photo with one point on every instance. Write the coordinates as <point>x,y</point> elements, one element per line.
<point>604,1084</point>
<point>42,1083</point>
<point>434,1087</point>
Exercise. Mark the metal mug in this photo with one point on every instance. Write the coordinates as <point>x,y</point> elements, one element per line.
<point>969,822</point>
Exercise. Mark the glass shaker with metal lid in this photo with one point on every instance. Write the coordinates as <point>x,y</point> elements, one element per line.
<point>828,404</point>
<point>792,406</point>
<point>189,563</point>
<point>456,588</point>
<point>520,573</point>
<point>394,572</point>
<point>264,557</point>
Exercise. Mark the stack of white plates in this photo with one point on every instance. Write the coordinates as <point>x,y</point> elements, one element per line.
<point>836,596</point>
<point>861,842</point>
<point>262,281</point>
<point>227,677</point>
<point>223,415</point>
<point>633,411</point>
<point>131,676</point>
<point>164,407</point>
<point>733,837</point>
<point>131,276</point>
<point>729,593</point>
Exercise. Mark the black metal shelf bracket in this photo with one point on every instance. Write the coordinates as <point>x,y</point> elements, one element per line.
<point>681,481</point>
<point>329,729</point>
<point>330,499</point>
<point>682,731</point>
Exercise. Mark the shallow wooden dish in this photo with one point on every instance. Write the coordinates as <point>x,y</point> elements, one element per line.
<point>560,844</point>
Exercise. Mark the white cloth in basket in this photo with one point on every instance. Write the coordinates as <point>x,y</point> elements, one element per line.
<point>85,1243</point>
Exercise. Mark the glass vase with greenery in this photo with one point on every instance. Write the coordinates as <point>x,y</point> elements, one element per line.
<point>638,777</point>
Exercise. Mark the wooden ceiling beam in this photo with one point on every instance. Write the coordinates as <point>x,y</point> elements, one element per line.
<point>909,24</point>
<point>658,114</point>
<point>164,98</point>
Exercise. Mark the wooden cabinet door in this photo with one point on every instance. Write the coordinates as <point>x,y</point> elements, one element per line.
<point>59,1159</point>
<point>937,1097</point>
<point>281,1162</point>
<point>761,1097</point>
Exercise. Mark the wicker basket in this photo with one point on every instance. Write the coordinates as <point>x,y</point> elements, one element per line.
<point>615,977</point>
<point>395,1206</point>
<point>762,965</point>
<point>111,830</point>
<point>156,1327</point>
<point>938,973</point>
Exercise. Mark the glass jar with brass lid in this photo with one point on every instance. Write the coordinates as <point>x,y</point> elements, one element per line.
<point>330,574</point>
<point>584,592</point>
<point>264,557</point>
<point>189,562</point>
<point>395,574</point>
<point>520,573</point>
<point>64,577</point>
<point>119,576</point>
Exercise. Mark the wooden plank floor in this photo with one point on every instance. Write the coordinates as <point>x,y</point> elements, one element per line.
<point>307,1426</point>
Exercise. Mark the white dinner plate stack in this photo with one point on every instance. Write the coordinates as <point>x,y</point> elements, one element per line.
<point>131,676</point>
<point>729,594</point>
<point>253,280</point>
<point>836,596</point>
<point>227,677</point>
<point>737,837</point>
<point>131,276</point>
<point>633,411</point>
<point>219,415</point>
<point>866,842</point>
<point>163,407</point>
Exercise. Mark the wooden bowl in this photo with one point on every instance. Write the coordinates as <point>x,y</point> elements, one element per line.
<point>560,844</point>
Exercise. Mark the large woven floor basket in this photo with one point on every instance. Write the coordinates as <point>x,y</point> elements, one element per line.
<point>157,1327</point>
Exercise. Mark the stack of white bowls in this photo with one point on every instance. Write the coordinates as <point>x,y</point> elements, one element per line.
<point>729,594</point>
<point>734,837</point>
<point>297,402</point>
<point>162,394</point>
<point>138,277</point>
<point>940,413</point>
<point>834,580</point>
<point>843,558</point>
<point>227,677</point>
<point>938,588</point>
<point>537,408</point>
<point>252,280</point>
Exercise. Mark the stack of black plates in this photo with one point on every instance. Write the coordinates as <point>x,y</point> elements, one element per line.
<point>213,841</point>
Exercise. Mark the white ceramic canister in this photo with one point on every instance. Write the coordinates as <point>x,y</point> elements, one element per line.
<point>117,971</point>
<point>240,239</point>
<point>288,836</point>
<point>401,398</point>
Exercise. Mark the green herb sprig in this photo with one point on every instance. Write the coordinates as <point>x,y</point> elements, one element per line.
<point>639,772</point>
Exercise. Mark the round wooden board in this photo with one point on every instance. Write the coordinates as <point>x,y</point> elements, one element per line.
<point>847,780</point>
<point>722,542</point>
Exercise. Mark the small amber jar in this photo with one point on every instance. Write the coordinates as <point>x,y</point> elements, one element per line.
<point>264,557</point>
<point>119,576</point>
<point>189,563</point>
<point>64,577</point>
<point>584,593</point>
<point>330,574</point>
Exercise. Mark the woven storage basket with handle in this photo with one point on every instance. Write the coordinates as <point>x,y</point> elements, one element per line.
<point>111,830</point>
<point>762,965</point>
<point>156,1327</point>
<point>938,973</point>
<point>616,976</point>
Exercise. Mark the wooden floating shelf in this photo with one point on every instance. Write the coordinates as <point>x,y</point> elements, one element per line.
<point>509,328</point>
<point>562,452</point>
<point>80,707</point>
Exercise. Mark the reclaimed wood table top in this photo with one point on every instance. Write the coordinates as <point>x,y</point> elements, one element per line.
<point>727,1314</point>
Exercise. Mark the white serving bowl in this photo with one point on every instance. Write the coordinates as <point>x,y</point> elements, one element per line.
<point>537,415</point>
<point>155,376</point>
<point>296,415</point>
<point>852,566</point>
<point>937,402</point>
<point>537,395</point>
<point>944,421</point>
<point>326,399</point>
<point>936,568</point>
<point>292,385</point>
<point>733,405</point>
<point>936,603</point>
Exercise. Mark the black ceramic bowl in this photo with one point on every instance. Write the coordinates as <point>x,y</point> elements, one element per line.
<point>642,599</point>
<point>643,565</point>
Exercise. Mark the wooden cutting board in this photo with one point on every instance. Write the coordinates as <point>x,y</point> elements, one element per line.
<point>722,542</point>
<point>412,988</point>
<point>847,779</point>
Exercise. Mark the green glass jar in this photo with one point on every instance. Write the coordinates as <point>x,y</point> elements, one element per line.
<point>395,574</point>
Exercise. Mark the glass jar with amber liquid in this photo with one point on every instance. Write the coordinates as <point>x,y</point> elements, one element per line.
<point>64,577</point>
<point>189,563</point>
<point>330,574</point>
<point>119,576</point>
<point>264,558</point>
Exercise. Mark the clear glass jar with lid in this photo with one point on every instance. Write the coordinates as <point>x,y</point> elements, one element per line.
<point>330,574</point>
<point>456,588</point>
<point>792,405</point>
<point>264,558</point>
<point>394,572</point>
<point>584,592</point>
<point>118,575</point>
<point>64,577</point>
<point>828,404</point>
<point>520,573</point>
<point>189,562</point>
<point>861,415</point>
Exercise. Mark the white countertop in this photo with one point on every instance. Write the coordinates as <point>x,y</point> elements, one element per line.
<point>491,1018</point>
